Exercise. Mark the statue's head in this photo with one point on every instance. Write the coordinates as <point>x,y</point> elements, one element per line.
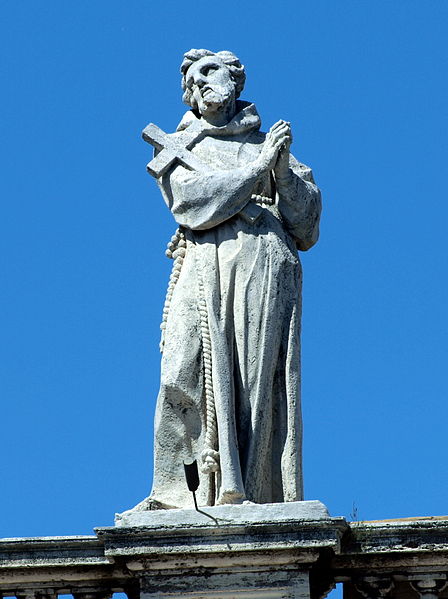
<point>211,79</point>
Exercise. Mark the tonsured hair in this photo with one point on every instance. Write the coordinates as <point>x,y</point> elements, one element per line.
<point>228,58</point>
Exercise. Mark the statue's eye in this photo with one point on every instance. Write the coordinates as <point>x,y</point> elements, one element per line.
<point>208,70</point>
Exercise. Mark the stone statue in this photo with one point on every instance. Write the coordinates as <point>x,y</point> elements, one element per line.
<point>230,378</point>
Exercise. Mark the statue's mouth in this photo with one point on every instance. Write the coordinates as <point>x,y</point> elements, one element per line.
<point>215,96</point>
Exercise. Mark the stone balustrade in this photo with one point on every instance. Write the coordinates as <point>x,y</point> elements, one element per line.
<point>397,559</point>
<point>400,559</point>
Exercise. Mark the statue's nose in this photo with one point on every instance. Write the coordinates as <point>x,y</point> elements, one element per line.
<point>199,80</point>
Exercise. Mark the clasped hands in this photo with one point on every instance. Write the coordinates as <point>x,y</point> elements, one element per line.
<point>275,152</point>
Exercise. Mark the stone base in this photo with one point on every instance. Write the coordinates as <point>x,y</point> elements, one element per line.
<point>247,513</point>
<point>254,551</point>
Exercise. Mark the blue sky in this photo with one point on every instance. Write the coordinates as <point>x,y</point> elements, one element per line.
<point>83,232</point>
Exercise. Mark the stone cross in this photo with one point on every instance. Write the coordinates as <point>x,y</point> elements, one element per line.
<point>171,150</point>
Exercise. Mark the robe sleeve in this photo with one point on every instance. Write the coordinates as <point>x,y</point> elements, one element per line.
<point>299,202</point>
<point>202,200</point>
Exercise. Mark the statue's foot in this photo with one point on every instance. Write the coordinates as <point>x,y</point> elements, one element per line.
<point>149,503</point>
<point>232,497</point>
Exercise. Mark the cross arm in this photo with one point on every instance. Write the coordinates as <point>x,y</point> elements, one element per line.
<point>170,152</point>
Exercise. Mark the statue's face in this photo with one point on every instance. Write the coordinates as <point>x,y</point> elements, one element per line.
<point>211,84</point>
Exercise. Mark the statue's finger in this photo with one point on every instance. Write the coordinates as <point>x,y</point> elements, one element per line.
<point>280,132</point>
<point>280,127</point>
<point>277,125</point>
<point>281,142</point>
<point>272,141</point>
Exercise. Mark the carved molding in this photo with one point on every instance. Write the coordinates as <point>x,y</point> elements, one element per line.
<point>429,586</point>
<point>374,587</point>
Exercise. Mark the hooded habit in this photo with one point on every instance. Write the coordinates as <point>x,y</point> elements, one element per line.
<point>230,379</point>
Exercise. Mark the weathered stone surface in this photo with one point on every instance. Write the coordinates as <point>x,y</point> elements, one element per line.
<point>51,551</point>
<point>235,584</point>
<point>230,382</point>
<point>235,551</point>
<point>212,540</point>
<point>392,551</point>
<point>225,515</point>
<point>400,559</point>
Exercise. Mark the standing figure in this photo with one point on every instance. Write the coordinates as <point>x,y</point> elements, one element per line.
<point>230,379</point>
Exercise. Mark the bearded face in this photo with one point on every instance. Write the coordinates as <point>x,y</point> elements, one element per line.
<point>212,85</point>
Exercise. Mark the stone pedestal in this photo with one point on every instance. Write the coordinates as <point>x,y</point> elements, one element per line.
<point>251,551</point>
